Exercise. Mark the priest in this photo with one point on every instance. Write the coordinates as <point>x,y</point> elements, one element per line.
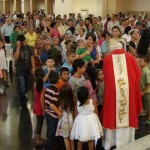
<point>122,97</point>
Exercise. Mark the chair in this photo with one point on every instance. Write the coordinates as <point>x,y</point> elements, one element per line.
<point>8,55</point>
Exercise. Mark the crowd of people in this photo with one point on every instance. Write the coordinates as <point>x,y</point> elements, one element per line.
<point>91,74</point>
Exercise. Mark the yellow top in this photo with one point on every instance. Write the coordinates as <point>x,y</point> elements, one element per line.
<point>30,39</point>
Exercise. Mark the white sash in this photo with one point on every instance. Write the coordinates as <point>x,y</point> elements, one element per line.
<point>122,90</point>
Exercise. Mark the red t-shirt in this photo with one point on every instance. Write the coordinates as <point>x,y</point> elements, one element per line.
<point>37,109</point>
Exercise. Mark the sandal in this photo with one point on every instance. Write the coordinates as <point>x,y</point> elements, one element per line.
<point>40,144</point>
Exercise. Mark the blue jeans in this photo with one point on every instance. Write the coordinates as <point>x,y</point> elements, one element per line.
<point>23,83</point>
<point>51,130</point>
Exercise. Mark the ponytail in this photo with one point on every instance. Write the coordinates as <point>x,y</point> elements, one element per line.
<point>39,74</point>
<point>39,84</point>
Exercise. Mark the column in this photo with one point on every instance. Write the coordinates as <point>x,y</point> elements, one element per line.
<point>25,6</point>
<point>31,6</point>
<point>4,6</point>
<point>48,6</point>
<point>15,5</point>
<point>111,6</point>
<point>105,7</point>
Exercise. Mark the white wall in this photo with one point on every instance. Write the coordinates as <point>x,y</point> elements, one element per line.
<point>75,6</point>
<point>139,5</point>
<point>40,4</point>
<point>93,6</point>
<point>62,7</point>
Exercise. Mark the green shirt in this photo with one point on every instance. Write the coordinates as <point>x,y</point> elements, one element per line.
<point>145,79</point>
<point>82,51</point>
<point>97,28</point>
<point>13,38</point>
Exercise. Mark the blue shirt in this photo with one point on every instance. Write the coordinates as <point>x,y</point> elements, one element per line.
<point>68,66</point>
<point>7,30</point>
<point>104,47</point>
<point>93,53</point>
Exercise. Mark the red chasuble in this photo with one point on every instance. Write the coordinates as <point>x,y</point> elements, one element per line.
<point>134,98</point>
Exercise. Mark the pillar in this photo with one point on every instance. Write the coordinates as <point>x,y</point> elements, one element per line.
<point>105,8</point>
<point>111,7</point>
<point>48,6</point>
<point>4,6</point>
<point>31,6</point>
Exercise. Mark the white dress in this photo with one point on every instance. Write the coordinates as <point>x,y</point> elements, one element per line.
<point>2,60</point>
<point>86,125</point>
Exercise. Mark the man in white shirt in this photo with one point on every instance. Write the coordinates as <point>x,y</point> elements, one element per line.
<point>112,23</point>
<point>37,21</point>
<point>66,38</point>
<point>6,30</point>
<point>61,27</point>
<point>80,25</point>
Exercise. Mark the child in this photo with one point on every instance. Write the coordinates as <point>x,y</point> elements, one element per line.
<point>52,113</point>
<point>90,83</point>
<point>64,77</point>
<point>100,88</point>
<point>50,66</point>
<point>70,56</point>
<point>66,122</point>
<point>37,109</point>
<point>145,85</point>
<point>77,79</point>
<point>86,127</point>
<point>3,66</point>
<point>83,53</point>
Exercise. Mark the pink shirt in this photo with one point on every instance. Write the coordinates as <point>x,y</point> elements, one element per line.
<point>55,32</point>
<point>100,41</point>
<point>92,93</point>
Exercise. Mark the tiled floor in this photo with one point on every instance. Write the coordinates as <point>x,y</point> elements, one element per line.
<point>140,144</point>
<point>17,125</point>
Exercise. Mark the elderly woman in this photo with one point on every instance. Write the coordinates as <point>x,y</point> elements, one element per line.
<point>56,51</point>
<point>31,37</point>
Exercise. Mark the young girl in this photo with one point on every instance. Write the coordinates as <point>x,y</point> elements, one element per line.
<point>66,121</point>
<point>90,83</point>
<point>86,127</point>
<point>100,88</point>
<point>77,79</point>
<point>37,109</point>
<point>3,66</point>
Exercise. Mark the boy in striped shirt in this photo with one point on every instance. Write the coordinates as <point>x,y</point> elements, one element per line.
<point>52,114</point>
